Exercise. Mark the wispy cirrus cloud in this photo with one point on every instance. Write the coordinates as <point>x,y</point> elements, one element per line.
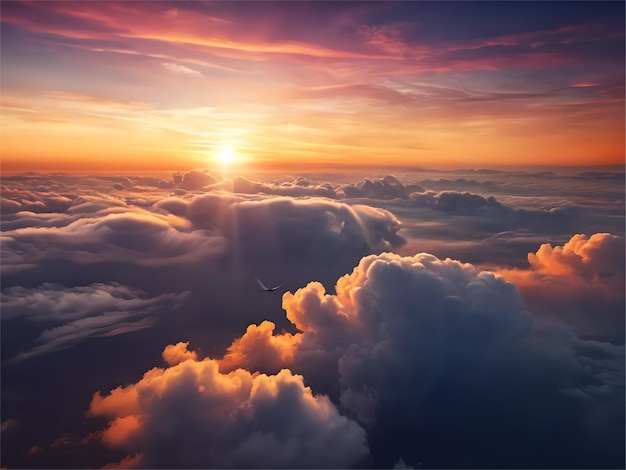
<point>76,314</point>
<point>182,70</point>
<point>356,85</point>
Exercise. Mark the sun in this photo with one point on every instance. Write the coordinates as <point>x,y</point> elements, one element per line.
<point>225,155</point>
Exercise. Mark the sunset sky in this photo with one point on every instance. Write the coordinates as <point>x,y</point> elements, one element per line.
<point>433,191</point>
<point>176,85</point>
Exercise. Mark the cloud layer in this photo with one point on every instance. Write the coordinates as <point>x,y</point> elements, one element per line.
<point>429,354</point>
<point>71,315</point>
<point>416,355</point>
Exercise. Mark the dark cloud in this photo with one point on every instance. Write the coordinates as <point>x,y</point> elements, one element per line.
<point>72,315</point>
<point>602,175</point>
<point>388,187</point>
<point>450,201</point>
<point>210,244</point>
<point>8,424</point>
<point>460,184</point>
<point>436,359</point>
<point>140,238</point>
<point>130,242</point>
<point>133,236</point>
<point>163,230</point>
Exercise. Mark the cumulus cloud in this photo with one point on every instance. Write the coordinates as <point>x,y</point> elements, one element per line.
<point>598,257</point>
<point>41,194</point>
<point>164,230</point>
<point>450,201</point>
<point>193,180</point>
<point>190,415</point>
<point>259,349</point>
<point>448,355</point>
<point>495,213</point>
<point>581,282</point>
<point>176,353</point>
<point>462,224</point>
<point>210,244</point>
<point>388,187</point>
<point>133,236</point>
<point>71,315</point>
<point>299,187</point>
<point>282,230</point>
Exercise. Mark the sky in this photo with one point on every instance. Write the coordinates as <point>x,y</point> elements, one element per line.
<point>437,191</point>
<point>86,86</point>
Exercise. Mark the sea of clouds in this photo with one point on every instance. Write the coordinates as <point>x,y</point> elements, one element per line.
<point>465,319</point>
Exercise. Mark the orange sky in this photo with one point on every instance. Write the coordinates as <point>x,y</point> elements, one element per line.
<point>86,87</point>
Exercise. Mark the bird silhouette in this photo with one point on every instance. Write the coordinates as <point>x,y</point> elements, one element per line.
<point>269,289</point>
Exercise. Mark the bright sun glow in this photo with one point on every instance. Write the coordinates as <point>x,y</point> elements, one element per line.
<point>225,155</point>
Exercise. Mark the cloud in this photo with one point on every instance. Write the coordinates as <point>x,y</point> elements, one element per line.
<point>177,353</point>
<point>53,302</point>
<point>448,355</point>
<point>133,236</point>
<point>8,424</point>
<point>130,461</point>
<point>581,282</point>
<point>602,175</point>
<point>191,415</point>
<point>422,374</point>
<point>451,201</point>
<point>598,257</point>
<point>193,180</point>
<point>71,315</point>
<point>182,70</point>
<point>153,229</point>
<point>299,187</point>
<point>388,187</point>
<point>259,349</point>
<point>286,230</point>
